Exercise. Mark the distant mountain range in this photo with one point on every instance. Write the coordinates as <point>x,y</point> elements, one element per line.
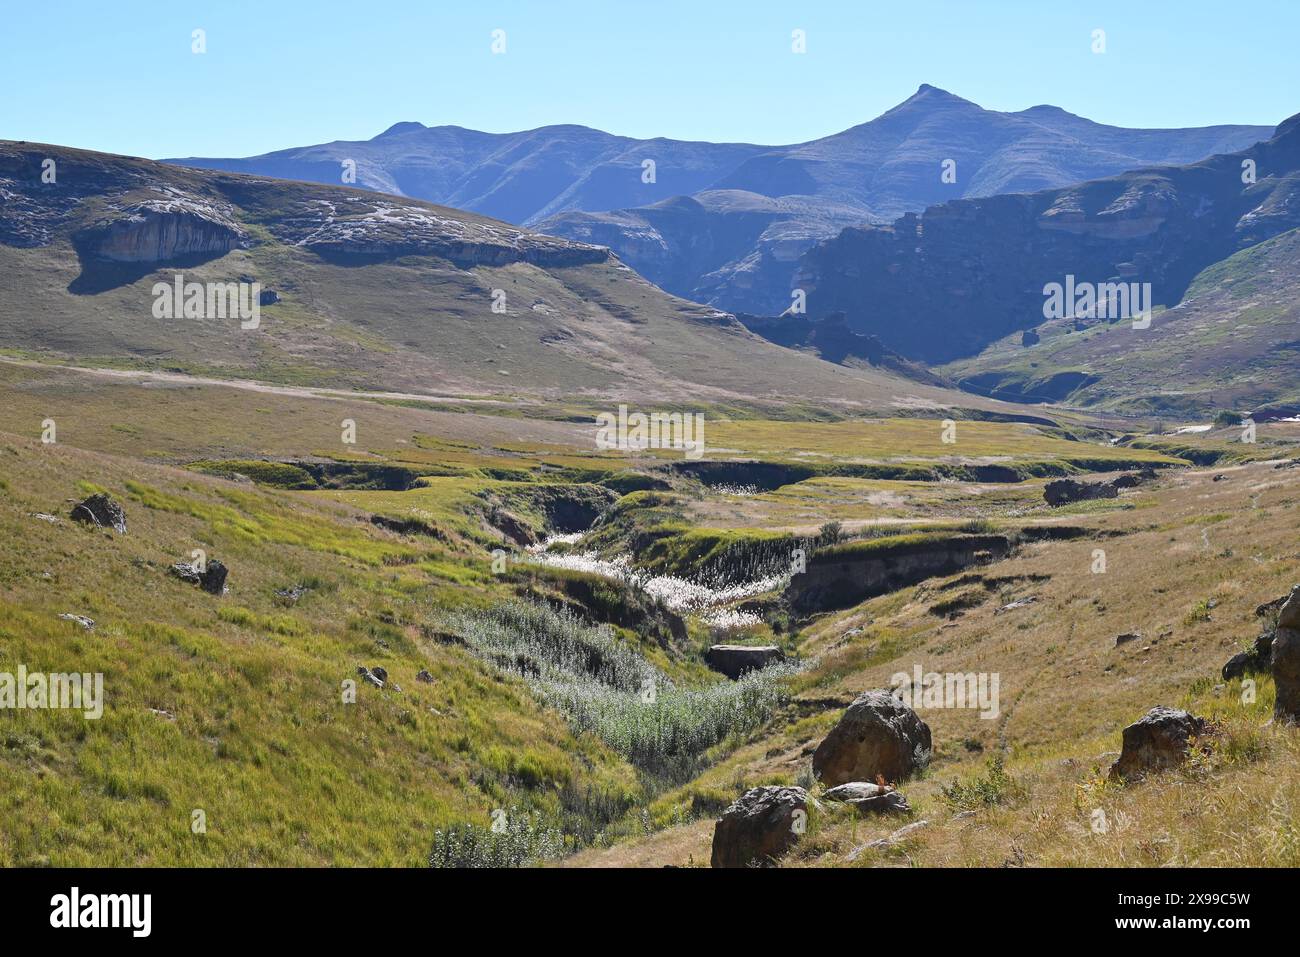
<point>1214,241</point>
<point>725,223</point>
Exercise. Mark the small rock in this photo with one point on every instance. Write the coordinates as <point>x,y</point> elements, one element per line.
<point>423,675</point>
<point>102,512</point>
<point>884,843</point>
<point>370,676</point>
<point>1128,636</point>
<point>45,517</point>
<point>81,620</point>
<point>1018,603</point>
<point>869,798</point>
<point>212,579</point>
<point>380,673</point>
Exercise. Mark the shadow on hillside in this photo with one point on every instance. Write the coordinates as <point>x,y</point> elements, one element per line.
<point>101,275</point>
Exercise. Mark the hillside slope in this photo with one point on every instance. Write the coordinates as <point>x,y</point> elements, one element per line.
<point>1230,345</point>
<point>369,292</point>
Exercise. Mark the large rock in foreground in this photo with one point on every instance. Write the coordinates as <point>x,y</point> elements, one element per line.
<point>759,826</point>
<point>878,737</point>
<point>1286,660</point>
<point>1160,739</point>
<point>102,512</point>
<point>737,660</point>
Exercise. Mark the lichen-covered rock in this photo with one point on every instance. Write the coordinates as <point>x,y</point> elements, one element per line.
<point>101,511</point>
<point>210,576</point>
<point>759,826</point>
<point>877,737</point>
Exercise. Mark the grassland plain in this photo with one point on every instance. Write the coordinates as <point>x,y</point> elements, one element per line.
<point>232,705</point>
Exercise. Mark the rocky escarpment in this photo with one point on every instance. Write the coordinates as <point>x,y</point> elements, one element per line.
<point>122,210</point>
<point>356,225</point>
<point>989,259</point>
<point>848,574</point>
<point>172,227</point>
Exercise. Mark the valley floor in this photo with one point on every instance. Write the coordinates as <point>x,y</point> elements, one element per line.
<point>479,562</point>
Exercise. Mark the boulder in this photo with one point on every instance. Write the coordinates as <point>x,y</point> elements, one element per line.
<point>1065,491</point>
<point>211,578</point>
<point>102,512</point>
<point>370,676</point>
<point>1286,660</point>
<point>877,737</point>
<point>1160,739</point>
<point>759,826</point>
<point>869,798</point>
<point>736,660</point>
<point>1258,658</point>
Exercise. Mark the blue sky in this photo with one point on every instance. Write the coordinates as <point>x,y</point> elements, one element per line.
<point>120,76</point>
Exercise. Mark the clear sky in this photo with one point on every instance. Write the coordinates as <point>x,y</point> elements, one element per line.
<point>119,75</point>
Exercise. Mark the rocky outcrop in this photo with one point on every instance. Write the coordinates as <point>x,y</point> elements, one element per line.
<point>845,575</point>
<point>162,231</point>
<point>737,660</point>
<point>869,798</point>
<point>989,259</point>
<point>101,511</point>
<point>759,826</point>
<point>1160,739</point>
<point>878,737</point>
<point>1064,491</point>
<point>1286,660</point>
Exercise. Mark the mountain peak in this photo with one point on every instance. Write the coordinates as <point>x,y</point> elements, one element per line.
<point>927,95</point>
<point>408,126</point>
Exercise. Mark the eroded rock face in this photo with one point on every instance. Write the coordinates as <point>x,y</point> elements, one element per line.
<point>877,737</point>
<point>736,660</point>
<point>101,511</point>
<point>1160,739</point>
<point>759,826</point>
<point>1286,660</point>
<point>838,578</point>
<point>162,230</point>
